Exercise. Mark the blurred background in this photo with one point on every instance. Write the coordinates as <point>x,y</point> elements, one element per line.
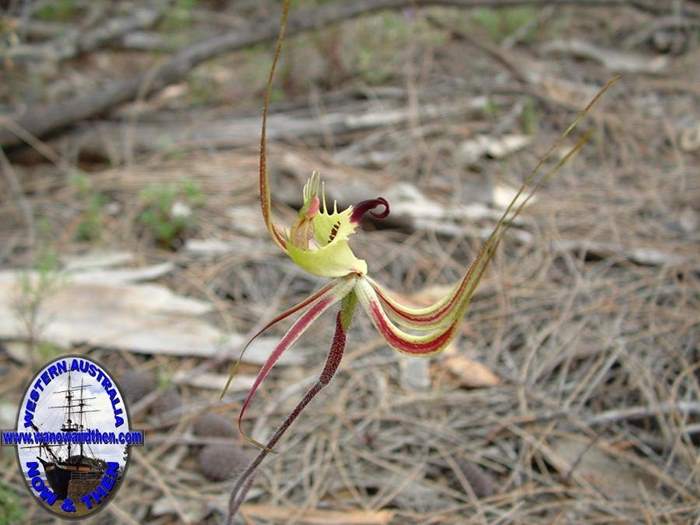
<point>130,231</point>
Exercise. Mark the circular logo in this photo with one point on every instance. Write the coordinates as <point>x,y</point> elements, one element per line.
<point>73,437</point>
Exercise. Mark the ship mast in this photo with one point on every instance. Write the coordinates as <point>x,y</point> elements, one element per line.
<point>81,413</point>
<point>70,425</point>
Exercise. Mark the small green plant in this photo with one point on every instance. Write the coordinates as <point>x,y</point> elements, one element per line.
<point>168,211</point>
<point>11,508</point>
<point>369,70</point>
<point>48,351</point>
<point>530,117</point>
<point>165,380</point>
<point>89,228</point>
<point>501,23</point>
<point>179,16</point>
<point>375,59</point>
<point>57,11</point>
<point>35,286</point>
<point>492,109</point>
<point>43,279</point>
<point>202,89</point>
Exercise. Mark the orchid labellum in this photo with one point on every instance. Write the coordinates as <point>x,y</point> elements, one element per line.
<point>318,242</point>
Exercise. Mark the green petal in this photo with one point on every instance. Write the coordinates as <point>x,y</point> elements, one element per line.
<point>333,260</point>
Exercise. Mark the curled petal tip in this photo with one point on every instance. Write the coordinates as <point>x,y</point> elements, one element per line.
<point>363,207</point>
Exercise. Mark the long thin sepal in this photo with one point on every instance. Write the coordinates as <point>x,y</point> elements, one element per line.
<point>341,288</point>
<point>300,305</point>
<point>423,344</point>
<point>451,307</point>
<point>342,324</point>
<point>446,310</point>
<point>265,199</point>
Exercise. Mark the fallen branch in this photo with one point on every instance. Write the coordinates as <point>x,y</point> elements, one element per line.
<point>43,120</point>
<point>109,139</point>
<point>617,61</point>
<point>643,256</point>
<point>77,41</point>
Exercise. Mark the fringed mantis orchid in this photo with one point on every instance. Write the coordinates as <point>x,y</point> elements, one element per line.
<point>317,242</point>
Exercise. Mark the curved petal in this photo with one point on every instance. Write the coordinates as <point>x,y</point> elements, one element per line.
<point>445,310</point>
<point>451,307</point>
<point>418,345</point>
<point>416,317</point>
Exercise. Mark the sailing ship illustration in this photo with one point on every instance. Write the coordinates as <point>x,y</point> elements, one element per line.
<point>71,469</point>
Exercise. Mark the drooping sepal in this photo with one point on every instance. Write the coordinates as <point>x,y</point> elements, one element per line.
<point>424,344</point>
<point>340,289</point>
<point>280,317</point>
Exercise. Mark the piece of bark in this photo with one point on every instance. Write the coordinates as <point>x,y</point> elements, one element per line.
<point>588,464</point>
<point>99,310</point>
<point>97,259</point>
<point>470,373</point>
<point>473,150</point>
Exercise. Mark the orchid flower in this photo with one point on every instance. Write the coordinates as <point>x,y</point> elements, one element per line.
<point>318,242</point>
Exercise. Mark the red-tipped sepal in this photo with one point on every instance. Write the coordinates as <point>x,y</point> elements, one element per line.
<point>424,344</point>
<point>338,291</point>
